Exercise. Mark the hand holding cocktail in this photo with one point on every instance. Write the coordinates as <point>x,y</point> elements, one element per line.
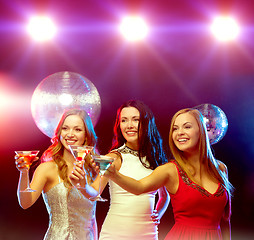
<point>103,162</point>
<point>80,153</point>
<point>24,160</point>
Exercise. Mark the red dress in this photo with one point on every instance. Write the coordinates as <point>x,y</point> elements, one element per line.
<point>197,212</point>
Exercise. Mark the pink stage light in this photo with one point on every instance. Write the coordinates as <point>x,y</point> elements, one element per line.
<point>134,28</point>
<point>225,28</point>
<point>41,28</point>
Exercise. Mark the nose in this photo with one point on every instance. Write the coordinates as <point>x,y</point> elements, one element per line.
<point>130,124</point>
<point>70,133</point>
<point>180,131</point>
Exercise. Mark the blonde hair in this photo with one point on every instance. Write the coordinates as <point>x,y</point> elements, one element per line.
<point>206,155</point>
<point>55,150</point>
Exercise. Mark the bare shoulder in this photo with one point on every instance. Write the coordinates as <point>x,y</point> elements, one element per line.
<point>47,168</point>
<point>169,168</point>
<point>222,166</point>
<point>47,174</point>
<point>169,173</point>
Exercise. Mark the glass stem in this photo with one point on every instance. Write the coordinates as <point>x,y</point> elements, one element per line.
<point>28,180</point>
<point>100,185</point>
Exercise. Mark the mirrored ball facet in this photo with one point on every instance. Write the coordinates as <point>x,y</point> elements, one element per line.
<point>59,92</point>
<point>216,121</point>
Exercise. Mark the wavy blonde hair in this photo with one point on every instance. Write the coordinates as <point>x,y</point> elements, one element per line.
<point>55,150</point>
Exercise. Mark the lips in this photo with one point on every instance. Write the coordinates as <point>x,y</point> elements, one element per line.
<point>182,140</point>
<point>131,133</point>
<point>70,142</point>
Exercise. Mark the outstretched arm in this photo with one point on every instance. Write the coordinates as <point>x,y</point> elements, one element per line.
<point>78,175</point>
<point>157,179</point>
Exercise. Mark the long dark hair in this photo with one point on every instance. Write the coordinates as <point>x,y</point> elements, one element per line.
<point>55,150</point>
<point>149,140</point>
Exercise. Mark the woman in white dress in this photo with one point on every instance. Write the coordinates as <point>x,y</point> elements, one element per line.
<point>71,214</point>
<point>137,149</point>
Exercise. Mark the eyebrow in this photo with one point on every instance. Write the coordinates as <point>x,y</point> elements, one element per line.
<point>77,126</point>
<point>183,124</point>
<point>131,117</point>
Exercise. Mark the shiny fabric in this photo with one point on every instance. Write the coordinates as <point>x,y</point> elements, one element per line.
<point>129,216</point>
<point>197,212</point>
<point>71,215</point>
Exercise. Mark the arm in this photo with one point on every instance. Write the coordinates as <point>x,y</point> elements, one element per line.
<point>163,202</point>
<point>95,228</point>
<point>157,179</point>
<point>27,199</point>
<point>226,225</point>
<point>78,175</point>
<point>225,221</point>
<point>104,180</point>
<point>88,191</point>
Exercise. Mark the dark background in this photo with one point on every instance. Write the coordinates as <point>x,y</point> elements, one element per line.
<point>179,65</point>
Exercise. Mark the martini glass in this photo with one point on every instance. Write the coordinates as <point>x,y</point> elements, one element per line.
<point>79,153</point>
<point>103,162</point>
<point>29,157</point>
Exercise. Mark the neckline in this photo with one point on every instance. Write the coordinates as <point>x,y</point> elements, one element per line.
<point>125,149</point>
<point>194,184</point>
<point>130,148</point>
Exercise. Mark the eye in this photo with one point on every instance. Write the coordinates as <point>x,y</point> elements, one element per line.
<point>64,128</point>
<point>123,120</point>
<point>78,129</point>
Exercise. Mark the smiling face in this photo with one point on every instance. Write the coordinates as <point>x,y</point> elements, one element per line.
<point>73,131</point>
<point>186,133</point>
<point>129,122</point>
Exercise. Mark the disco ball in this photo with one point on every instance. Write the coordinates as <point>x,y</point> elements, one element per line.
<point>59,92</point>
<point>216,121</point>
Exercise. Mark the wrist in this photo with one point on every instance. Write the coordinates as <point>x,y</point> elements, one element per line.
<point>23,171</point>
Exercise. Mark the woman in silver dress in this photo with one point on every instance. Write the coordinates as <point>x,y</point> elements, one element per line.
<point>71,214</point>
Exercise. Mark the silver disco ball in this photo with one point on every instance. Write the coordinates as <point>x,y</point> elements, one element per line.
<point>216,121</point>
<point>59,92</point>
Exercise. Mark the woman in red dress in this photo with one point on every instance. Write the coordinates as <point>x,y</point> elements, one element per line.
<point>197,183</point>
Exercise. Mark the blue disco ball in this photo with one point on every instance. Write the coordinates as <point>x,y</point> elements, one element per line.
<point>59,92</point>
<point>216,121</point>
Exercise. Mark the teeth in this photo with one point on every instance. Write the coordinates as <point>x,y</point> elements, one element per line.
<point>182,140</point>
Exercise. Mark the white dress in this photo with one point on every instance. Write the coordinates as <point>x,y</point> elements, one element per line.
<point>129,216</point>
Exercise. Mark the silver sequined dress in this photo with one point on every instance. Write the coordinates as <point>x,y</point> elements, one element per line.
<point>71,215</point>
